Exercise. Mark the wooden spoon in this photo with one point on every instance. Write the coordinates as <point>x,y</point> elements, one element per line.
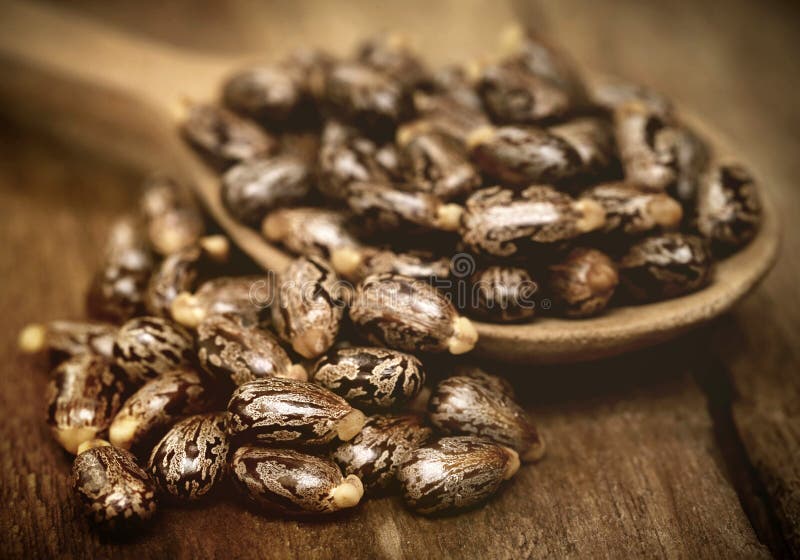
<point>123,90</point>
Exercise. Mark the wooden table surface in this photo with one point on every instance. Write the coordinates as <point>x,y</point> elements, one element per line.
<point>684,451</point>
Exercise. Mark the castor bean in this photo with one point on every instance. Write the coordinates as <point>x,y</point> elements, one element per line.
<point>454,81</point>
<point>665,266</point>
<point>384,443</point>
<point>308,310</point>
<point>371,378</point>
<point>173,221</point>
<point>180,271</point>
<point>231,352</point>
<point>521,156</point>
<point>409,315</point>
<point>434,162</point>
<point>82,398</point>
<point>146,347</point>
<point>64,339</point>
<point>117,494</point>
<point>593,139</point>
<point>631,211</point>
<point>223,137</point>
<point>583,282</point>
<point>728,207</point>
<point>392,55</point>
<point>366,98</point>
<point>278,411</point>
<point>149,412</point>
<point>455,473</point>
<point>356,263</point>
<point>288,482</point>
<point>243,297</point>
<point>311,65</point>
<point>611,92</point>
<point>449,113</point>
<point>469,405</point>
<point>692,157</point>
<point>311,232</point>
<point>502,294</point>
<point>117,290</point>
<point>385,207</point>
<point>646,152</point>
<point>192,457</point>
<point>345,156</point>
<point>252,188</point>
<point>492,382</point>
<point>268,93</point>
<point>505,223</point>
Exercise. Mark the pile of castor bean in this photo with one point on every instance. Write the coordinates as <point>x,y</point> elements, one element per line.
<point>411,199</point>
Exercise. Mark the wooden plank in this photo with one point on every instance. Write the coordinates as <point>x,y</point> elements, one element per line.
<point>633,469</point>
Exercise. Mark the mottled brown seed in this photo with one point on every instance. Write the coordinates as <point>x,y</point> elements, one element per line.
<point>392,55</point>
<point>583,282</point>
<point>371,378</point>
<point>470,406</point>
<point>453,82</point>
<point>452,113</point>
<point>692,156</point>
<point>307,231</point>
<point>268,92</point>
<point>252,188</point>
<point>593,139</point>
<point>288,482</point>
<point>385,442</point>
<point>455,473</point>
<point>502,294</point>
<point>223,137</point>
<point>192,457</point>
<point>64,339</point>
<point>173,221</point>
<point>291,413</point>
<point>646,152</point>
<point>82,398</point>
<point>665,266</point>
<point>149,412</point>
<point>522,155</point>
<point>631,210</point>
<point>409,315</point>
<point>243,297</point>
<point>611,92</point>
<point>117,290</point>
<point>115,491</point>
<point>504,222</point>
<point>146,347</point>
<point>356,263</point>
<point>728,207</point>
<point>308,310</point>
<point>493,383</point>
<point>231,352</point>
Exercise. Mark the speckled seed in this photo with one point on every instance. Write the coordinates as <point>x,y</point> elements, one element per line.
<point>64,339</point>
<point>631,211</point>
<point>665,266</point>
<point>611,92</point>
<point>469,405</point>
<point>355,264</point>
<point>371,378</point>
<point>384,207</point>
<point>451,113</point>
<point>502,294</point>
<point>252,188</point>
<point>346,156</point>
<point>117,290</point>
<point>156,405</point>
<point>454,473</point>
<point>435,163</point>
<point>647,155</point>
<point>223,137</point>
<point>173,221</point>
<point>115,491</point>
<point>504,222</point>
<point>82,398</point>
<point>267,92</point>
<point>289,482</point>
<point>146,347</point>
<point>392,55</point>
<point>692,156</point>
<point>311,232</point>
<point>288,412</point>
<point>454,82</point>
<point>243,297</point>
<point>308,312</point>
<point>728,207</point>
<point>583,282</point>
<point>409,315</point>
<point>192,457</point>
<point>384,443</point>
<point>180,271</point>
<point>493,383</point>
<point>366,98</point>
<point>233,353</point>
<point>521,156</point>
<point>593,139</point>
